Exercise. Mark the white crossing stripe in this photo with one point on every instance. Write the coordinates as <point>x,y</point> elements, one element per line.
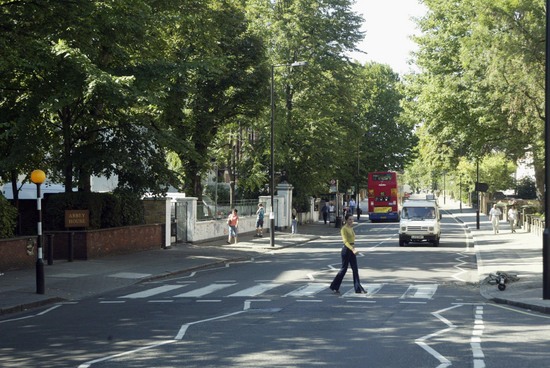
<point>255,290</point>
<point>308,290</point>
<point>197,293</point>
<point>373,288</point>
<point>151,292</point>
<point>420,291</point>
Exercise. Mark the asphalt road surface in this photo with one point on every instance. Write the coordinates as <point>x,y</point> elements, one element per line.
<point>423,309</point>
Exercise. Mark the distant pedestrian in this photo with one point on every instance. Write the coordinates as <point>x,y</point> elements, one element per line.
<point>324,212</point>
<point>348,259</point>
<point>294,225</point>
<point>260,220</point>
<point>494,216</point>
<point>352,206</point>
<point>233,223</point>
<point>513,218</point>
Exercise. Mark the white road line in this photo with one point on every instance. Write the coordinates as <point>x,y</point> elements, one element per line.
<point>373,289</point>
<point>35,315</point>
<point>179,336</point>
<point>197,293</point>
<point>420,291</point>
<point>161,301</point>
<point>475,341</point>
<point>112,302</point>
<point>308,290</point>
<point>462,271</point>
<point>151,292</point>
<point>255,290</point>
<point>444,362</point>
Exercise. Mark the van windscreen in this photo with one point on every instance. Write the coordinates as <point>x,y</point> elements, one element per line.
<point>419,212</point>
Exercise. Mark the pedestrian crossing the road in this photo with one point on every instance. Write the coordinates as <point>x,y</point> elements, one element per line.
<point>411,292</point>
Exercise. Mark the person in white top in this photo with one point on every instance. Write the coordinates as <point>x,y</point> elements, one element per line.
<point>513,218</point>
<point>494,216</point>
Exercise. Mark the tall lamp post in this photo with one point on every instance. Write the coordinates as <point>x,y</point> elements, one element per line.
<point>38,177</point>
<point>546,233</point>
<point>272,174</point>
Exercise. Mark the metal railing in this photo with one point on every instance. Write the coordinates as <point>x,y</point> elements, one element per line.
<point>245,207</point>
<point>534,224</point>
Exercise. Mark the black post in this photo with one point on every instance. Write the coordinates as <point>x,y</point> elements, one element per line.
<point>50,249</point>
<point>40,282</point>
<point>71,247</point>
<point>444,187</point>
<point>546,233</point>
<point>460,194</point>
<point>272,178</point>
<point>477,195</point>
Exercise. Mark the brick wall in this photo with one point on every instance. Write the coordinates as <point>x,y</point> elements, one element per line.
<point>17,253</point>
<point>14,253</point>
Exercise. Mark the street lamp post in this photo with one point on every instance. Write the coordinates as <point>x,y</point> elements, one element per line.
<point>444,194</point>
<point>477,194</point>
<point>546,233</point>
<point>38,177</point>
<point>272,174</point>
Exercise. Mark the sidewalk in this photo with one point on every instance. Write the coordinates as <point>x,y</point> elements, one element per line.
<point>519,253</point>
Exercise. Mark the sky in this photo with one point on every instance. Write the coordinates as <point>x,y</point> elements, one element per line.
<point>388,27</point>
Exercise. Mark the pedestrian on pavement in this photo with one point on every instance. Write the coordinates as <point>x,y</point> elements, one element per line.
<point>294,225</point>
<point>324,212</point>
<point>352,206</point>
<point>513,218</point>
<point>233,223</point>
<point>260,220</point>
<point>349,258</point>
<point>494,216</point>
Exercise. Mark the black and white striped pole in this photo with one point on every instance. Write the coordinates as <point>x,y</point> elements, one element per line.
<point>38,177</point>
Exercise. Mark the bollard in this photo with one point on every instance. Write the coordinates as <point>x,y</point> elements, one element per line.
<point>50,249</point>
<point>71,247</point>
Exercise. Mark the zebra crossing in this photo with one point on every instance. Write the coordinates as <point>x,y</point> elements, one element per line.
<point>404,292</point>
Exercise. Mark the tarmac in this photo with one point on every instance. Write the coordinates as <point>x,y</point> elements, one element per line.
<point>517,253</point>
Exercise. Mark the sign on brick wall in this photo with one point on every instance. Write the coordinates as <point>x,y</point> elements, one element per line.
<point>77,218</point>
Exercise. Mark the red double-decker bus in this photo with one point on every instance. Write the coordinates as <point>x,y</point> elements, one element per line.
<point>383,196</point>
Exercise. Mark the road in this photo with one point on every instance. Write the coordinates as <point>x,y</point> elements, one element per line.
<point>423,309</point>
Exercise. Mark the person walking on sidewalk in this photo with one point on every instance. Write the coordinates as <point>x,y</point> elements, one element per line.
<point>494,216</point>
<point>513,218</point>
<point>324,212</point>
<point>260,220</point>
<point>349,258</point>
<point>352,206</point>
<point>233,223</point>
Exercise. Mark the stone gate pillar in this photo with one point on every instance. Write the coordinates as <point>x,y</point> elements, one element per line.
<point>284,192</point>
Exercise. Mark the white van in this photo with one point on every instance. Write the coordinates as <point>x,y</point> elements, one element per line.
<point>420,221</point>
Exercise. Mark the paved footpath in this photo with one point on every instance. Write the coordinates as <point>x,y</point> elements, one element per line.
<point>519,253</point>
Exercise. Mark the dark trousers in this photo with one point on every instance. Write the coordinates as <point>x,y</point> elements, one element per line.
<point>348,258</point>
<point>325,216</point>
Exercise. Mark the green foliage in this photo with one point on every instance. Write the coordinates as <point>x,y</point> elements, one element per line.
<point>152,91</point>
<point>526,188</point>
<point>222,193</point>
<point>131,207</point>
<point>8,218</point>
<point>480,92</point>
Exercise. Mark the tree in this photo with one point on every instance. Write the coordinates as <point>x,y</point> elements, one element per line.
<point>313,103</point>
<point>479,93</point>
<point>222,80</point>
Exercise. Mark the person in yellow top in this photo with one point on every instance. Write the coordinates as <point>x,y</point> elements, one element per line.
<point>348,258</point>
